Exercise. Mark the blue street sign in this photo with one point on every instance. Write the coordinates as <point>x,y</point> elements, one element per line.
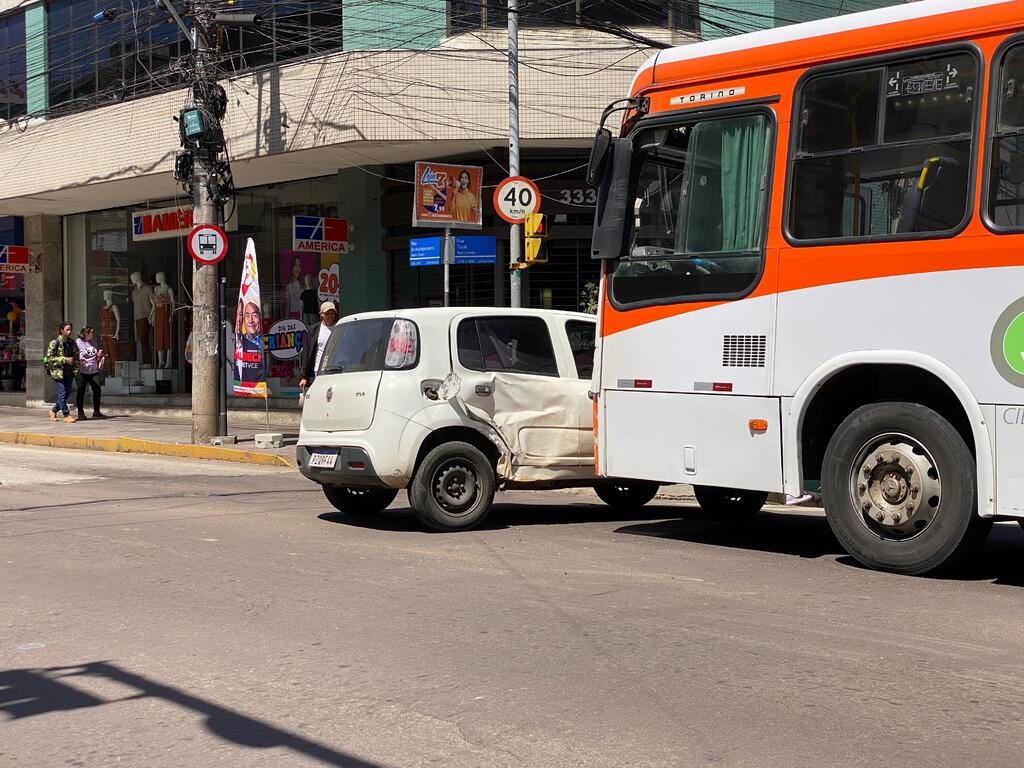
<point>424,251</point>
<point>475,249</point>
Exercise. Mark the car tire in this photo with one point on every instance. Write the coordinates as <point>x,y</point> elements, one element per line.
<point>899,489</point>
<point>453,487</point>
<point>625,496</point>
<point>359,501</point>
<point>729,502</point>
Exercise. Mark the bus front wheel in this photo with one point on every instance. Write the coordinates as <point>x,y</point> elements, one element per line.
<point>898,484</point>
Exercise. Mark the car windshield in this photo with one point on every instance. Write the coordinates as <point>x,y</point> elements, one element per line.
<point>357,346</point>
<point>698,210</point>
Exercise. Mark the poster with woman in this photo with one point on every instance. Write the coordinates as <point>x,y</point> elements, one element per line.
<point>298,276</point>
<point>448,196</point>
<point>249,364</point>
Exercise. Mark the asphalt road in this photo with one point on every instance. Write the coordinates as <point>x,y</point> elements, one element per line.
<point>159,612</point>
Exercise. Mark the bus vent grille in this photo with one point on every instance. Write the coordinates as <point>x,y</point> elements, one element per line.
<point>743,351</point>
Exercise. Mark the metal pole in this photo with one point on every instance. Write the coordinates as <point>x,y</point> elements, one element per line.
<point>205,333</point>
<point>515,246</point>
<point>447,259</point>
<point>222,394</point>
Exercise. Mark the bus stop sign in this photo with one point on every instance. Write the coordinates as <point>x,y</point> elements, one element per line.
<point>207,243</point>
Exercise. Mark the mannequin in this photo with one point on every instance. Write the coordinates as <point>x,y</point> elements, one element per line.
<point>142,313</point>
<point>310,299</point>
<point>110,331</point>
<point>163,311</point>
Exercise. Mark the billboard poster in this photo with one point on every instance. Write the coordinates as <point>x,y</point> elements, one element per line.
<point>249,364</point>
<point>320,234</point>
<point>448,196</point>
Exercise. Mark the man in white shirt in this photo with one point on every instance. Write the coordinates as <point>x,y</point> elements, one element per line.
<point>318,336</point>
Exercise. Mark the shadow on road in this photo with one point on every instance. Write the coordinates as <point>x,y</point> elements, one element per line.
<point>400,518</point>
<point>31,692</point>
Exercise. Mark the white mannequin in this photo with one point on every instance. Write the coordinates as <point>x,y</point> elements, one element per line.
<point>108,342</point>
<point>142,312</point>
<point>108,297</point>
<point>166,294</point>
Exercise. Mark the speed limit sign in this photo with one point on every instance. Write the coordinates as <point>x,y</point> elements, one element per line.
<point>515,197</point>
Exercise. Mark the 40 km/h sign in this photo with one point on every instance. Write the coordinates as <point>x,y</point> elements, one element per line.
<point>515,197</point>
<point>207,243</point>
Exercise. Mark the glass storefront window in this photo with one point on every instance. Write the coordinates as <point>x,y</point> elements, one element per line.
<point>12,313</point>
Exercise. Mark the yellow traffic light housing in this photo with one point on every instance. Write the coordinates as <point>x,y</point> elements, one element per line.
<point>536,230</point>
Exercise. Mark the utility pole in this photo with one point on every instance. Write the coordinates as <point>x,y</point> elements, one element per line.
<point>208,178</point>
<point>515,243</point>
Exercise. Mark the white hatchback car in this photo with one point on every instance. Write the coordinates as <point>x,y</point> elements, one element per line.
<point>453,403</point>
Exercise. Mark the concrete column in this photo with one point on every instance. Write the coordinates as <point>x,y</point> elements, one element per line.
<point>44,301</point>
<point>364,272</point>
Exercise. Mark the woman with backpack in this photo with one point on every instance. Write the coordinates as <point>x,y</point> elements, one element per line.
<point>61,361</point>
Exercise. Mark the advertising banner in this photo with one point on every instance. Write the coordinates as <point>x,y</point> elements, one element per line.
<point>448,196</point>
<point>159,223</point>
<point>14,258</point>
<point>320,234</point>
<point>250,367</point>
<point>286,339</point>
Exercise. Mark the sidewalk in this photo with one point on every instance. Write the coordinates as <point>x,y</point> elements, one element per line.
<point>131,434</point>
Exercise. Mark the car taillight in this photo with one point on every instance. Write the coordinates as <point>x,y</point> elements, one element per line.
<point>401,345</point>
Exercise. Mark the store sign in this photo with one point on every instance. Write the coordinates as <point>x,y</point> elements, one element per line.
<point>328,282</point>
<point>286,339</point>
<point>320,234</point>
<point>161,223</point>
<point>448,196</point>
<point>14,258</point>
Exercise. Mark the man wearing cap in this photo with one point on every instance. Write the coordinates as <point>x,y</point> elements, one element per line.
<point>318,336</point>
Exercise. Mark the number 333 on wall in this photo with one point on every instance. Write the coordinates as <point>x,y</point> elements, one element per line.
<point>577,196</point>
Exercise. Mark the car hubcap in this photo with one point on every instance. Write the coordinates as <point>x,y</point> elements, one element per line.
<point>455,488</point>
<point>895,486</point>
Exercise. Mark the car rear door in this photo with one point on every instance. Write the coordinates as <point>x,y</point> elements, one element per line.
<point>511,378</point>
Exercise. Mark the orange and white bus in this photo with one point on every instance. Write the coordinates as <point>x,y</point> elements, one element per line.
<point>813,274</point>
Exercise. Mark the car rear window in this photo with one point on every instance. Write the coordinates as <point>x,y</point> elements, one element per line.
<point>357,346</point>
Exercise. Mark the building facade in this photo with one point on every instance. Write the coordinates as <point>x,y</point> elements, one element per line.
<point>329,106</point>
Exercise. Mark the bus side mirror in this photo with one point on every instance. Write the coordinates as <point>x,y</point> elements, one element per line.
<point>614,210</point>
<point>598,155</point>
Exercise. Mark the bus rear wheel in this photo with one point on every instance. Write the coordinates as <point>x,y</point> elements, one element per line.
<point>898,484</point>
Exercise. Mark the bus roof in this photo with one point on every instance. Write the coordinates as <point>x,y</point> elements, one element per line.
<point>891,28</point>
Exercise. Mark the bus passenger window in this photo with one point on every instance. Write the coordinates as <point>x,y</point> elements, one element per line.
<point>1006,173</point>
<point>884,150</point>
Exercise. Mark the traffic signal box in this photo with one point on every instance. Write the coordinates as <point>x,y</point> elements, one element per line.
<point>536,231</point>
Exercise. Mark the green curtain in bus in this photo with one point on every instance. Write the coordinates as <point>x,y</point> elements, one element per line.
<point>723,207</point>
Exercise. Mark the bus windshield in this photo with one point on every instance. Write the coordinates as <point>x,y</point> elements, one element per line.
<point>698,212</point>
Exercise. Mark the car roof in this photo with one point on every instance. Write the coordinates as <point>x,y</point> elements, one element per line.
<point>442,313</point>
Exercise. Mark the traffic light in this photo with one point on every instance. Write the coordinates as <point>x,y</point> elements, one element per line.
<point>536,232</point>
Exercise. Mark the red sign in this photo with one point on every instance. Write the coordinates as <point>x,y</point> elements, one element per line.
<point>160,223</point>
<point>448,196</point>
<point>515,197</point>
<point>207,243</point>
<point>14,258</point>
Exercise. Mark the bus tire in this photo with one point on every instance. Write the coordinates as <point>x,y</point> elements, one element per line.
<point>898,485</point>
<point>359,501</point>
<point>453,487</point>
<point>626,495</point>
<point>731,502</point>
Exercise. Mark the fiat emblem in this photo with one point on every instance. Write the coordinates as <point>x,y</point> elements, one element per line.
<point>330,393</point>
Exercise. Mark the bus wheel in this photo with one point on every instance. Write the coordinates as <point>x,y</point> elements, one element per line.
<point>453,487</point>
<point>625,495</point>
<point>729,501</point>
<point>359,501</point>
<point>898,485</point>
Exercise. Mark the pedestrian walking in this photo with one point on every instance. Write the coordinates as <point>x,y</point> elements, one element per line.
<point>89,361</point>
<point>61,361</point>
<point>318,336</point>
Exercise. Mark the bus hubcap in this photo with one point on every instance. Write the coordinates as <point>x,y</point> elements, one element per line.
<point>896,486</point>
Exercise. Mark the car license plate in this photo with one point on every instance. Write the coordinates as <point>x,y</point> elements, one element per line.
<point>323,460</point>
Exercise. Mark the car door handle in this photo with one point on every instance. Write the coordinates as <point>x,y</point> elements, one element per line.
<point>483,389</point>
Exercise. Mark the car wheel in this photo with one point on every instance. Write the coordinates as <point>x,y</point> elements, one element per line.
<point>623,495</point>
<point>453,487</point>
<point>732,502</point>
<point>898,484</point>
<point>359,501</point>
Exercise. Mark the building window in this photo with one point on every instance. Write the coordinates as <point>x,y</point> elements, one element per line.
<point>465,15</point>
<point>884,151</point>
<point>12,66</point>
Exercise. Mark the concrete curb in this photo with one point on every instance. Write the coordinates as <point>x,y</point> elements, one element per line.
<point>135,445</point>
